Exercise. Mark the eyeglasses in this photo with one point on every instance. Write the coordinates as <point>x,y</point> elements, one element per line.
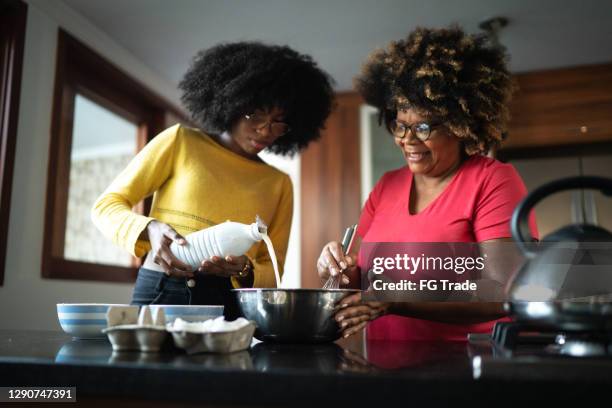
<point>421,131</point>
<point>259,121</point>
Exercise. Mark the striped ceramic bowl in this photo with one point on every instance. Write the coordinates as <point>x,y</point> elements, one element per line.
<point>190,313</point>
<point>83,320</point>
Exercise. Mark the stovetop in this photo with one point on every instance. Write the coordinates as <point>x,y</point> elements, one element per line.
<point>519,350</point>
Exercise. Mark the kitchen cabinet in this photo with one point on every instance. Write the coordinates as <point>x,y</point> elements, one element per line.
<point>561,107</point>
<point>601,166</point>
<point>568,207</point>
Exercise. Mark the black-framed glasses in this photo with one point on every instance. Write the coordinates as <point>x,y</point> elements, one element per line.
<point>258,122</point>
<point>421,130</point>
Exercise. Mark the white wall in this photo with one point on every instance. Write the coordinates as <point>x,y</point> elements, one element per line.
<point>27,300</point>
<point>291,166</point>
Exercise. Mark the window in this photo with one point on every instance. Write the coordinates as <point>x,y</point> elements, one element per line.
<point>101,118</point>
<point>12,33</point>
<point>102,145</point>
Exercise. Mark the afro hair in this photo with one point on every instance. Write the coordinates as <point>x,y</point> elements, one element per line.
<point>227,81</point>
<point>445,75</point>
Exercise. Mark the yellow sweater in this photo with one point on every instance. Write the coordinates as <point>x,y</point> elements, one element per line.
<point>196,183</point>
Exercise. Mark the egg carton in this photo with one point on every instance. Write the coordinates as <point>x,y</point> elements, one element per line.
<point>127,330</point>
<point>213,341</point>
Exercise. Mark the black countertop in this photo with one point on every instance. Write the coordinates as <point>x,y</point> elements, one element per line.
<point>375,372</point>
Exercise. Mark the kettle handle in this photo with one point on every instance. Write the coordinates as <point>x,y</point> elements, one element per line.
<point>520,225</point>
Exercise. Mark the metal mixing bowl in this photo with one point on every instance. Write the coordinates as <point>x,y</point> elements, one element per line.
<point>293,315</point>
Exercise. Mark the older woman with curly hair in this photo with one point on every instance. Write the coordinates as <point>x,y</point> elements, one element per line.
<point>244,97</point>
<point>443,95</point>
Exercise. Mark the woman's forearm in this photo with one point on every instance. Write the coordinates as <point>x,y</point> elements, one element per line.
<point>453,313</point>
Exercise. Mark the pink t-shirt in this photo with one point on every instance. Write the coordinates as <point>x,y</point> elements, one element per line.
<point>475,206</point>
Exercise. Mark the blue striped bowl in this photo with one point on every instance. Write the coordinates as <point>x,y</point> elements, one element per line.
<point>190,313</point>
<point>83,320</point>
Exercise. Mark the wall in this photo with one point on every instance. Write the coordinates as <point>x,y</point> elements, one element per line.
<point>292,275</point>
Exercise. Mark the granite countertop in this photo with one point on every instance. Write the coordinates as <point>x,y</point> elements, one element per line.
<point>436,373</point>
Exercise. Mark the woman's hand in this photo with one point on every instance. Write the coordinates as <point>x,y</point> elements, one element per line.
<point>354,313</point>
<point>160,236</point>
<point>332,262</point>
<point>228,267</point>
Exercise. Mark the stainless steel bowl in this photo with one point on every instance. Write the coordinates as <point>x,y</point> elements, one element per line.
<point>293,315</point>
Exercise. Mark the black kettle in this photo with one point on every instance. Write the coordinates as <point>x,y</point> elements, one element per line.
<point>574,262</point>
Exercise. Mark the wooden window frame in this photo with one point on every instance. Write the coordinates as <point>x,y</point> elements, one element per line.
<point>12,28</point>
<point>81,70</point>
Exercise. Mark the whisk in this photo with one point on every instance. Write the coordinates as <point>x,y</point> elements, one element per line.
<point>333,282</point>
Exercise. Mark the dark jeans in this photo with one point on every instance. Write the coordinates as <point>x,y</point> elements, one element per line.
<point>156,288</point>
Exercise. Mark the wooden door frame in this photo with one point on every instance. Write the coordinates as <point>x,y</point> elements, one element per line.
<point>13,21</point>
<point>331,184</point>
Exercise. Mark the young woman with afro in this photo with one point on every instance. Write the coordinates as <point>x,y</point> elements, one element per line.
<point>244,97</point>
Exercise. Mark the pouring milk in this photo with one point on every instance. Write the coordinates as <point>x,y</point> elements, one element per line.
<point>228,238</point>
